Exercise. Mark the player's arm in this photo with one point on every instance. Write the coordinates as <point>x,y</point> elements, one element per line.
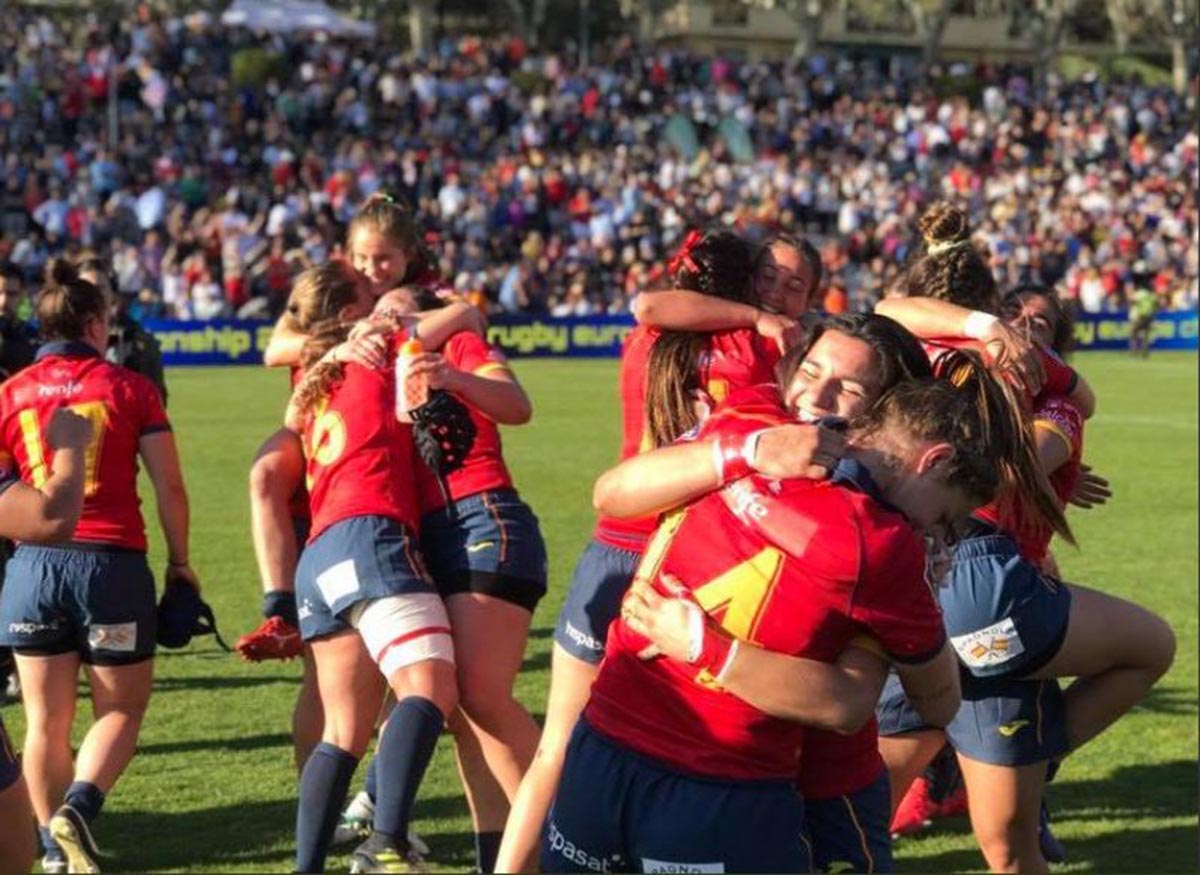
<point>285,346</point>
<point>50,514</point>
<point>933,686</point>
<point>893,600</point>
<point>1053,447</point>
<point>658,480</point>
<point>929,318</point>
<point>493,389</point>
<point>838,696</point>
<point>681,310</point>
<point>161,458</point>
<point>1083,397</point>
<point>435,327</point>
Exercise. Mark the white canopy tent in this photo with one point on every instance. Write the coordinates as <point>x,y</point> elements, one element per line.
<point>292,16</point>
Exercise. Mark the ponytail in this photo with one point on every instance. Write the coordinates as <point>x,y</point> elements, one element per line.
<point>67,302</point>
<point>320,377</point>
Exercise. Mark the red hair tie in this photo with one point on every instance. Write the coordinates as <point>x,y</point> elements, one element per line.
<point>683,256</point>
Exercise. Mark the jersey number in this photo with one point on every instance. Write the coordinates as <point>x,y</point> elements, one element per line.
<point>31,436</point>
<point>742,590</point>
<point>328,439</point>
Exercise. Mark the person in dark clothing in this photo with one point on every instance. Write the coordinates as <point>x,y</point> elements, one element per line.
<point>129,344</point>
<point>17,341</point>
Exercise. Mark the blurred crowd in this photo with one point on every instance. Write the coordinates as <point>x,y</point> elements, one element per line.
<point>551,187</point>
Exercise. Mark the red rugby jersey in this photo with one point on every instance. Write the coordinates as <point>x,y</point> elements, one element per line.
<point>360,458</point>
<point>1061,378</point>
<point>123,406</point>
<point>1062,417</point>
<point>734,359</point>
<point>795,566</point>
<point>484,467</point>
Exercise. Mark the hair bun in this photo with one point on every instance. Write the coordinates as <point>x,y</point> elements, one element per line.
<point>61,272</point>
<point>943,222</point>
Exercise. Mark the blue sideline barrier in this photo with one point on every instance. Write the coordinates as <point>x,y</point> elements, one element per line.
<point>241,342</point>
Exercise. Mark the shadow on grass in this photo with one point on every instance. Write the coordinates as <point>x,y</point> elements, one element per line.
<point>1125,849</point>
<point>1169,700</point>
<point>212,682</point>
<point>248,742</point>
<point>243,832</point>
<point>1133,793</point>
<point>536,661</point>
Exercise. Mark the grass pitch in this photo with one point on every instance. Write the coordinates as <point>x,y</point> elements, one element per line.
<point>213,786</point>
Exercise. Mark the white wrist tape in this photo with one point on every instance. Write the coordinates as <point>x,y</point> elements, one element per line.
<point>979,324</point>
<point>728,664</point>
<point>695,633</point>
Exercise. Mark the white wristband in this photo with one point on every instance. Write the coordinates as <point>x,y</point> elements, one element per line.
<point>728,664</point>
<point>695,633</point>
<point>750,447</point>
<point>978,324</point>
<point>718,461</point>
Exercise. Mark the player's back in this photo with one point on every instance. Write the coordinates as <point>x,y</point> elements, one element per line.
<point>781,564</point>
<point>360,458</point>
<point>123,407</point>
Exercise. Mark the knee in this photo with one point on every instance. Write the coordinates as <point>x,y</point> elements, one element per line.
<point>487,704</point>
<point>50,727</point>
<point>266,479</point>
<point>1006,846</point>
<point>1161,652</point>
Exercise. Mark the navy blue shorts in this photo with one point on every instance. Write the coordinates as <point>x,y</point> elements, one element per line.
<point>601,579</point>
<point>1002,721</point>
<point>851,833</point>
<point>894,713</point>
<point>1004,617</point>
<point>491,544</point>
<point>357,559</point>
<point>1010,722</point>
<point>619,811</point>
<point>10,763</point>
<point>98,602</point>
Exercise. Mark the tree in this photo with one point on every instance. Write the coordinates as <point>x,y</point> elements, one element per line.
<point>648,13</point>
<point>1045,23</point>
<point>807,14</point>
<point>528,17</point>
<point>930,18</point>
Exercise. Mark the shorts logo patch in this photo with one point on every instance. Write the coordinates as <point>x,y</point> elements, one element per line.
<point>28,627</point>
<point>1008,730</point>
<point>649,865</point>
<point>338,581</point>
<point>994,645</point>
<point>117,637</point>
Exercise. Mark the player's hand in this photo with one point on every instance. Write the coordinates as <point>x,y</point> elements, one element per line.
<point>68,430</point>
<point>435,369</point>
<point>666,621</point>
<point>369,349</point>
<point>809,451</point>
<point>1091,490</point>
<point>182,573</point>
<point>1011,351</point>
<point>780,329</point>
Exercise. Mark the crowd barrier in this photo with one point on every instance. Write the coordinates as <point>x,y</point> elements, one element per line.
<point>241,342</point>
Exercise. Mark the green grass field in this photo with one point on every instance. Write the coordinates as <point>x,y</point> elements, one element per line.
<point>213,786</point>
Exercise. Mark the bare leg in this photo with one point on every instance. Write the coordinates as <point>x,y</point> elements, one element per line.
<point>120,695</point>
<point>1005,802</point>
<point>17,846</point>
<point>277,472</point>
<point>308,715</point>
<point>48,686</point>
<point>906,756</point>
<point>1113,671</point>
<point>570,685</point>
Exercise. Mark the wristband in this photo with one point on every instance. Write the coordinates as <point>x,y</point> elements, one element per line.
<point>696,628</point>
<point>714,654</point>
<point>979,324</point>
<point>733,456</point>
<point>723,673</point>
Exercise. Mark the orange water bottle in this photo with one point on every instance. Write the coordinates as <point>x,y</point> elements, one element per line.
<point>412,390</point>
